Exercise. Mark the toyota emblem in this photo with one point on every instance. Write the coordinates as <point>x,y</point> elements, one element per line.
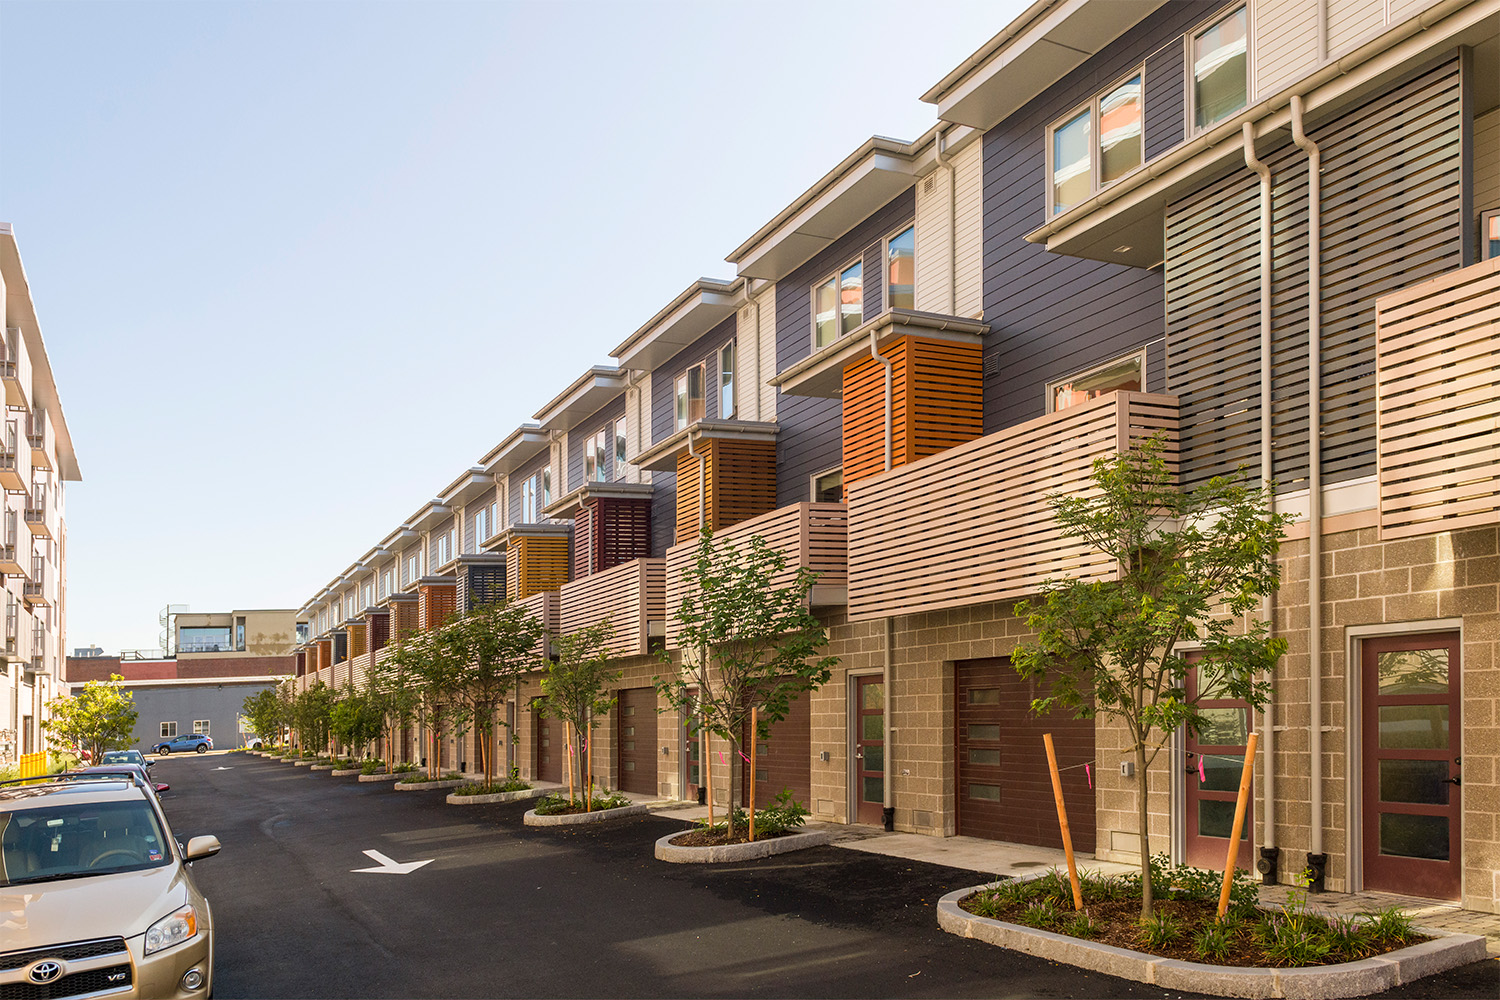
<point>45,972</point>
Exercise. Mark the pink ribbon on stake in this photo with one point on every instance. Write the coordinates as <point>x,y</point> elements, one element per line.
<point>1202,777</point>
<point>1088,771</point>
<point>570,749</point>
<point>721,758</point>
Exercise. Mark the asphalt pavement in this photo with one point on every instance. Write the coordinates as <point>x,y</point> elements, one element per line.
<point>504,910</point>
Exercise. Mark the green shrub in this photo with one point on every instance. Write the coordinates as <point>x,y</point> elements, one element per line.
<point>1350,938</point>
<point>1079,924</point>
<point>493,788</point>
<point>785,813</point>
<point>404,768</point>
<point>1389,926</point>
<point>551,805</point>
<point>1160,930</point>
<point>1213,942</point>
<point>372,767</point>
<point>1041,914</point>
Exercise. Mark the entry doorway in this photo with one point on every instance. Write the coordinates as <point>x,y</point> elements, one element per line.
<point>1411,757</point>
<point>692,752</point>
<point>868,757</point>
<point>547,745</point>
<point>1214,759</point>
<point>635,733</point>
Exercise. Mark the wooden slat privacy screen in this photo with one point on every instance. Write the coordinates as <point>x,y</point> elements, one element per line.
<point>937,401</point>
<point>536,563</point>
<point>403,618</point>
<point>582,542</point>
<point>480,585</point>
<point>301,662</point>
<point>631,595</point>
<point>621,531</point>
<point>1391,204</point>
<point>378,624</point>
<point>740,483</point>
<point>359,670</point>
<point>972,524</point>
<point>436,603</point>
<point>814,535</point>
<point>1438,360</point>
<point>356,638</point>
<point>542,607</point>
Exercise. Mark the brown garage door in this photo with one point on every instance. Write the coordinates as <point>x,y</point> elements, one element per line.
<point>635,727</point>
<point>785,761</point>
<point>547,750</point>
<point>1004,788</point>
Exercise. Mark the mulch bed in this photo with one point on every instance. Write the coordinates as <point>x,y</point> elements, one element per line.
<point>717,838</point>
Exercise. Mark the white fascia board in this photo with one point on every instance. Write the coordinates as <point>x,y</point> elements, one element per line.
<point>698,309</point>
<point>433,512</point>
<point>470,484</point>
<point>596,387</point>
<point>519,447</point>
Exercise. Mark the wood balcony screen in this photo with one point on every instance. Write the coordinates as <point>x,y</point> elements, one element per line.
<point>403,620</point>
<point>359,670</point>
<point>436,603</point>
<point>583,557</point>
<point>937,401</point>
<point>1438,366</point>
<point>740,483</point>
<point>480,586</point>
<point>301,662</point>
<point>544,608</point>
<point>620,531</point>
<point>534,564</point>
<point>378,627</point>
<point>357,645</point>
<point>972,524</point>
<point>325,655</point>
<point>814,535</point>
<point>631,595</point>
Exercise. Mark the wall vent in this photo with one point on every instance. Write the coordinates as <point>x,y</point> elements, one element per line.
<point>930,184</point>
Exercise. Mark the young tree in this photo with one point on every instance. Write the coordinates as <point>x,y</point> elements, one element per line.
<point>393,690</point>
<point>1193,563</point>
<point>492,647</point>
<point>264,711</point>
<point>577,685</point>
<point>100,717</point>
<point>355,720</point>
<point>745,642</point>
<point>312,711</point>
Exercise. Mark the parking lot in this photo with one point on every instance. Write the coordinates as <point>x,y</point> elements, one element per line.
<point>506,910</point>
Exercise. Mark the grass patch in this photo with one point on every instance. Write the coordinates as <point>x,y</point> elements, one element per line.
<point>558,805</point>
<point>418,779</point>
<point>514,785</point>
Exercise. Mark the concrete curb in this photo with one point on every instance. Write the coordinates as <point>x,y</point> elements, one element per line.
<point>577,819</point>
<point>323,767</point>
<point>303,763</point>
<point>1348,979</point>
<point>429,786</point>
<point>344,772</point>
<point>667,851</point>
<point>479,800</point>
<point>382,777</point>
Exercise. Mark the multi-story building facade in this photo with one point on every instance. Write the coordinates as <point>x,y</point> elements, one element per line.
<point>36,460</point>
<point>1266,229</point>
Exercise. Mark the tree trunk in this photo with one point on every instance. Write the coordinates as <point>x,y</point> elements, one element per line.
<point>736,785</point>
<point>1147,901</point>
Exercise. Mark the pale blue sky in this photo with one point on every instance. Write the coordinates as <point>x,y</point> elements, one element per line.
<point>299,264</point>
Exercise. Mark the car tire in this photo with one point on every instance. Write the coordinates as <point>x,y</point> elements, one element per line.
<point>202,748</point>
<point>163,750</point>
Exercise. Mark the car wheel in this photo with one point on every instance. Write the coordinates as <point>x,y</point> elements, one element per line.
<point>164,750</point>
<point>203,748</point>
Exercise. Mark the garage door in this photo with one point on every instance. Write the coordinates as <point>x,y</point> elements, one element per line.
<point>784,761</point>
<point>1004,787</point>
<point>635,726</point>
<point>547,750</point>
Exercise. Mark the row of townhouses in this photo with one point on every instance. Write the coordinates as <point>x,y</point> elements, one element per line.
<point>36,459</point>
<point>1268,228</point>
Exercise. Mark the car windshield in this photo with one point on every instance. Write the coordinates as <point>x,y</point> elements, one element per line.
<point>123,757</point>
<point>73,840</point>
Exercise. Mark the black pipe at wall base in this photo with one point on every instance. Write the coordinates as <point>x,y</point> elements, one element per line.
<point>888,818</point>
<point>1316,863</point>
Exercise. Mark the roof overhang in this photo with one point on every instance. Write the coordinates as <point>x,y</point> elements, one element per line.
<point>702,306</point>
<point>481,559</point>
<point>434,511</point>
<point>569,505</point>
<point>503,540</point>
<point>822,374</point>
<point>599,385</point>
<point>437,580</point>
<point>519,447</point>
<point>1049,40</point>
<point>467,486</point>
<point>868,178</point>
<point>662,456</point>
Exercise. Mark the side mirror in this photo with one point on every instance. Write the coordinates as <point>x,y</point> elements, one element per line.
<point>162,786</point>
<point>201,847</point>
<point>150,763</point>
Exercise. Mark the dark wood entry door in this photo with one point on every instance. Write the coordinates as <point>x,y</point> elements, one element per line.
<point>547,749</point>
<point>785,760</point>
<point>869,749</point>
<point>1410,739</point>
<point>1214,759</point>
<point>1004,785</point>
<point>635,734</point>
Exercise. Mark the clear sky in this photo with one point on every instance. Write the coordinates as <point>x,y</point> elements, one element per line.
<point>298,265</point>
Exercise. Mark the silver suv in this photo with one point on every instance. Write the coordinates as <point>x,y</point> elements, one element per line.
<point>96,896</point>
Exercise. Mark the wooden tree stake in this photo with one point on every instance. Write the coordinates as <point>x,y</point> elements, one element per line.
<point>588,802</point>
<point>750,779</point>
<point>705,741</point>
<point>1062,821</point>
<point>1246,774</point>
<point>567,726</point>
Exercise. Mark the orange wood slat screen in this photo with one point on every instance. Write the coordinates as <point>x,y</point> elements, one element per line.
<point>436,603</point>
<point>740,483</point>
<point>535,564</point>
<point>356,638</point>
<point>544,608</point>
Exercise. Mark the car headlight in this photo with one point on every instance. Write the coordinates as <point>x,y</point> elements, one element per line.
<point>171,930</point>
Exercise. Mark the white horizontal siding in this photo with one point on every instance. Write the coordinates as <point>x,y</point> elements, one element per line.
<point>969,218</point>
<point>938,259</point>
<point>766,351</point>
<point>1286,42</point>
<point>747,356</point>
<point>1487,162</point>
<point>932,242</point>
<point>1350,21</point>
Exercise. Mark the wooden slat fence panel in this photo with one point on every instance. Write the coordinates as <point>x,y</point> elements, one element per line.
<point>628,595</point>
<point>359,670</point>
<point>1438,406</point>
<point>542,607</point>
<point>973,524</point>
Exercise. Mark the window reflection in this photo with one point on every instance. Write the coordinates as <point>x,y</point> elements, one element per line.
<point>1120,131</point>
<point>851,298</point>
<point>1219,78</point>
<point>1071,171</point>
<point>901,270</point>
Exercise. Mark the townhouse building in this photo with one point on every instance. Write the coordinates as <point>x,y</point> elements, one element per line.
<point>1267,229</point>
<point>36,460</point>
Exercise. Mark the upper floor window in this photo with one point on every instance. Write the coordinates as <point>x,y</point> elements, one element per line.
<point>413,570</point>
<point>1489,239</point>
<point>1126,373</point>
<point>444,547</point>
<point>689,397</point>
<point>385,584</point>
<point>536,494</point>
<point>494,524</point>
<point>726,382</point>
<point>839,305</point>
<point>596,455</point>
<point>1221,68</point>
<point>828,487</point>
<point>901,269</point>
<point>304,630</point>
<point>1097,144</point>
<point>620,448</point>
<point>481,524</point>
<point>369,595</point>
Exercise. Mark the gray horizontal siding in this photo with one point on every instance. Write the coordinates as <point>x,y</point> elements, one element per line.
<point>1165,98</point>
<point>705,349</point>
<point>608,413</point>
<point>518,477</point>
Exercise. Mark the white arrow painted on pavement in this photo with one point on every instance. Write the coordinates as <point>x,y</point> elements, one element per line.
<point>391,867</point>
<point>223,769</point>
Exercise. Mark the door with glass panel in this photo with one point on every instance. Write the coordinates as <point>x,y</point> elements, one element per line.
<point>869,748</point>
<point>1411,764</point>
<point>1215,758</point>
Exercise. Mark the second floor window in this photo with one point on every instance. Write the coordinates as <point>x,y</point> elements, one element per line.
<point>1095,382</point>
<point>413,569</point>
<point>596,455</point>
<point>482,524</point>
<point>1097,145</point>
<point>901,269</point>
<point>1221,68</point>
<point>620,448</point>
<point>726,382</point>
<point>839,305</point>
<point>444,547</point>
<point>689,397</point>
<point>536,494</point>
<point>369,597</point>
<point>385,583</point>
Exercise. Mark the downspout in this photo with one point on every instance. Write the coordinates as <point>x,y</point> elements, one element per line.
<point>1316,859</point>
<point>876,355</point>
<point>702,486</point>
<point>888,811</point>
<point>947,164</point>
<point>1268,849</point>
<point>752,300</point>
<point>1322,31</point>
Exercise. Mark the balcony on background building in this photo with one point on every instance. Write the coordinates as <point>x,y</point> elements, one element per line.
<point>632,596</point>
<point>973,524</point>
<point>1437,373</point>
<point>34,593</point>
<point>15,368</point>
<point>15,476</point>
<point>725,469</point>
<point>10,558</point>
<point>39,437</point>
<point>36,512</point>
<point>810,535</point>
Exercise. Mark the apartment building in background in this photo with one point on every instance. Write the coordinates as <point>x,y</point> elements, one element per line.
<point>36,460</point>
<point>1269,230</point>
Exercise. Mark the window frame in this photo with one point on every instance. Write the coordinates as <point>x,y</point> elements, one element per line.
<point>1095,137</point>
<point>836,276</point>
<point>1139,355</point>
<point>682,388</point>
<point>1190,99</point>
<point>169,735</point>
<point>200,727</point>
<point>1486,218</point>
<point>596,448</point>
<point>812,484</point>
<point>729,347</point>
<point>620,429</point>
<point>885,275</point>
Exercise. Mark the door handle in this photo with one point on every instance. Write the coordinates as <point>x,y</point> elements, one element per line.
<point>1454,780</point>
<point>859,755</point>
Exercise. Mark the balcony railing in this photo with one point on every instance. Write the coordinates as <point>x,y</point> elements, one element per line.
<point>10,562</point>
<point>973,524</point>
<point>631,595</point>
<point>543,607</point>
<point>811,535</point>
<point>1437,371</point>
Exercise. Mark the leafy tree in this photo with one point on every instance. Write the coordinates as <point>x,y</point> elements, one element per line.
<point>576,686</point>
<point>266,712</point>
<point>355,719</point>
<point>393,689</point>
<point>1192,564</point>
<point>312,715</point>
<point>745,642</point>
<point>429,670</point>
<point>491,648</point>
<point>100,717</point>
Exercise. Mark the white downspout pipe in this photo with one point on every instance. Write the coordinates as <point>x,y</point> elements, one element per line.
<point>702,486</point>
<point>947,163</point>
<point>888,810</point>
<point>875,353</point>
<point>1314,484</point>
<point>1268,725</point>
